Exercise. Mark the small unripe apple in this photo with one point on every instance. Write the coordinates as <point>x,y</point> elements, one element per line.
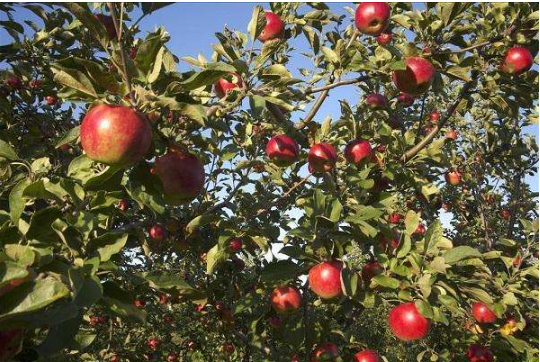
<point>405,99</point>
<point>416,78</point>
<point>435,116</point>
<point>451,135</point>
<point>325,279</point>
<point>274,29</point>
<point>372,18</point>
<point>366,356</point>
<point>453,177</point>
<point>285,299</point>
<point>282,150</point>
<point>407,323</point>
<point>157,232</point>
<point>384,38</point>
<point>370,270</point>
<point>115,135</point>
<point>395,218</point>
<point>153,343</point>
<point>325,352</point>
<point>479,353</point>
<point>108,23</point>
<point>358,151</point>
<point>482,313</point>
<point>376,100</point>
<point>322,157</point>
<point>227,84</point>
<point>123,205</point>
<point>275,321</point>
<point>235,244</point>
<point>181,173</point>
<point>172,357</point>
<point>13,81</point>
<point>517,60</point>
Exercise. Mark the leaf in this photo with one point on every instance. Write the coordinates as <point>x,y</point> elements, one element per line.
<point>385,281</point>
<point>147,52</point>
<point>59,337</point>
<point>89,293</point>
<point>280,271</point>
<point>6,151</point>
<point>30,297</point>
<point>95,28</point>
<point>404,247</point>
<point>208,76</point>
<point>459,72</point>
<point>214,256</point>
<point>257,22</point>
<point>11,271</point>
<point>69,137</point>
<point>454,255</point>
<point>330,55</point>
<point>200,221</point>
<point>16,200</point>
<point>74,79</point>
<point>433,236</point>
<point>121,302</point>
<point>108,244</point>
<point>150,7</point>
<point>412,219</point>
<point>349,282</point>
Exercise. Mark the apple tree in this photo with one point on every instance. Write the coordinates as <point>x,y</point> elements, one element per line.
<point>214,215</point>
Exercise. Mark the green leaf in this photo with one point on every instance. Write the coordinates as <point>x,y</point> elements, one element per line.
<point>150,7</point>
<point>11,271</point>
<point>7,152</point>
<point>280,271</point>
<point>89,293</point>
<point>200,221</point>
<point>16,200</point>
<point>330,55</point>
<point>257,22</point>
<point>108,244</point>
<point>349,282</point>
<point>74,79</point>
<point>433,236</point>
<point>386,281</point>
<point>30,297</point>
<point>456,254</point>
<point>59,337</point>
<point>121,302</point>
<point>208,76</point>
<point>214,256</point>
<point>459,72</point>
<point>412,219</point>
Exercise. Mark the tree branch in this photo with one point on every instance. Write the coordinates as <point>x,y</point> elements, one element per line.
<point>336,84</point>
<point>429,137</point>
<point>284,196</point>
<point>313,111</point>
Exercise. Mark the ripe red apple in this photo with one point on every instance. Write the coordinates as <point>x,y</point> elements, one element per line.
<point>13,81</point>
<point>482,313</point>
<point>393,243</point>
<point>115,135</point>
<point>517,60</point>
<point>325,279</point>
<point>275,321</point>
<point>191,345</point>
<point>366,356</point>
<point>370,270</point>
<point>358,151</point>
<point>93,320</point>
<point>172,357</point>
<point>163,298</point>
<point>479,353</point>
<point>453,177</point>
<point>227,84</point>
<point>395,218</point>
<point>505,214</point>
<point>114,358</point>
<point>325,352</point>
<point>139,303</point>
<point>274,29</point>
<point>35,83</point>
<point>372,18</point>
<point>322,157</point>
<point>446,206</point>
<point>157,232</point>
<point>416,78</point>
<point>108,23</point>
<point>102,319</point>
<point>235,244</point>
<point>376,100</point>
<point>282,150</point>
<point>517,261</point>
<point>238,264</point>
<point>295,358</point>
<point>405,99</point>
<point>10,343</point>
<point>285,299</point>
<point>123,205</point>
<point>168,319</point>
<point>435,116</point>
<point>407,323</point>
<point>420,229</point>
<point>451,135</point>
<point>153,343</point>
<point>384,38</point>
<point>228,348</point>
<point>181,173</point>
<point>51,100</point>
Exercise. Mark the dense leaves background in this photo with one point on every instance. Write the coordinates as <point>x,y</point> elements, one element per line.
<point>80,278</point>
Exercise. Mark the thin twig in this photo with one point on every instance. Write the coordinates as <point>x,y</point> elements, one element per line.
<point>336,84</point>
<point>284,196</point>
<point>118,28</point>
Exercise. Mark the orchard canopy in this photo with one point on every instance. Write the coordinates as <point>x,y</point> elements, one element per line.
<point>176,207</point>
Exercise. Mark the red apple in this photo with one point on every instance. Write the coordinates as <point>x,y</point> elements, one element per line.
<point>371,269</point>
<point>479,353</point>
<point>446,206</point>
<point>505,214</point>
<point>133,52</point>
<point>168,319</point>
<point>238,264</point>
<point>274,29</point>
<point>416,78</point>
<point>139,303</point>
<point>372,18</point>
<point>115,135</point>
<point>172,357</point>
<point>153,343</point>
<point>325,352</point>
<point>405,99</point>
<point>163,298</point>
<point>35,83</point>
<point>435,116</point>
<point>295,358</point>
<point>517,261</point>
<point>517,60</point>
<point>393,243</point>
<point>366,356</point>
<point>93,320</point>
<point>395,218</point>
<point>451,135</point>
<point>181,173</point>
<point>285,299</point>
<point>384,38</point>
<point>157,232</point>
<point>358,151</point>
<point>51,100</point>
<point>407,323</point>
<point>227,84</point>
<point>123,205</point>
<point>376,100</point>
<point>282,150</point>
<point>108,23</point>
<point>322,157</point>
<point>420,230</point>
<point>13,81</point>
<point>191,345</point>
<point>275,321</point>
<point>235,244</point>
<point>114,358</point>
<point>10,343</point>
<point>13,283</point>
<point>453,177</point>
<point>325,279</point>
<point>482,313</point>
<point>228,348</point>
